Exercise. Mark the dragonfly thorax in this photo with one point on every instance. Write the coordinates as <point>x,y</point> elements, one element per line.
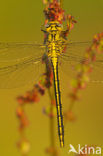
<point>54,40</point>
<point>54,30</point>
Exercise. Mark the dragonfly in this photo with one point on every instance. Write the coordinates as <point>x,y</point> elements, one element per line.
<point>20,63</point>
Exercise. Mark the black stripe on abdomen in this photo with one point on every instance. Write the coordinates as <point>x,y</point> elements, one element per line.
<point>58,104</point>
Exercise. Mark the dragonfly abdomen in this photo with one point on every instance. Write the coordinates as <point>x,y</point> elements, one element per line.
<point>58,101</point>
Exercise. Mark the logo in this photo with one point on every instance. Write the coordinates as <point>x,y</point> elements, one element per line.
<point>84,149</point>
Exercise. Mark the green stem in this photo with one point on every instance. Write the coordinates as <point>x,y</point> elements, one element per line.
<point>51,120</point>
<point>52,133</point>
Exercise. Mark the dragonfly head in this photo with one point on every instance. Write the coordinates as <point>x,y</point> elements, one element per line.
<point>54,26</point>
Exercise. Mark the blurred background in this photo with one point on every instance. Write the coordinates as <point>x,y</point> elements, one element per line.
<point>21,21</point>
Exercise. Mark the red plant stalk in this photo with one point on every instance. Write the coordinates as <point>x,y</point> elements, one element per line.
<point>52,150</point>
<point>31,97</point>
<point>52,11</point>
<point>84,69</point>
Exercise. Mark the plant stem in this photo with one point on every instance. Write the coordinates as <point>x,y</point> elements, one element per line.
<point>52,134</point>
<point>51,119</point>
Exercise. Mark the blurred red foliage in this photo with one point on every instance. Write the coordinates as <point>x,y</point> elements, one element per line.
<point>54,12</point>
<point>85,67</point>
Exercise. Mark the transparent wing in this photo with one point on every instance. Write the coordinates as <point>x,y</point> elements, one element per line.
<point>76,48</point>
<point>20,63</point>
<point>20,73</point>
<point>74,55</point>
<point>13,51</point>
